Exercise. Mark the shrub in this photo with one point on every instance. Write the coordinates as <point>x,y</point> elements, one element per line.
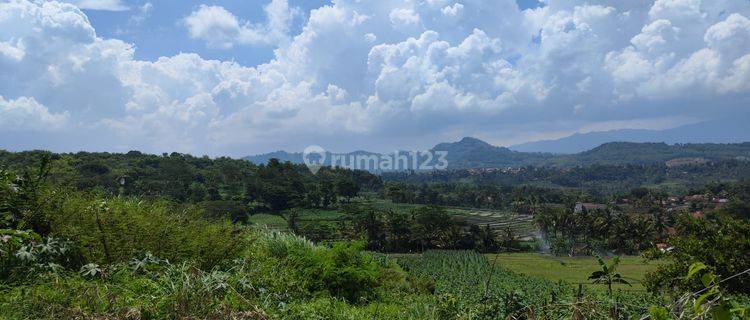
<point>114,229</point>
<point>343,271</point>
<point>24,255</point>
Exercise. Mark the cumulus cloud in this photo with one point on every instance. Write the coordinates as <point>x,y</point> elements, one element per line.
<point>222,29</point>
<point>670,58</point>
<point>25,114</point>
<point>383,73</point>
<point>403,16</point>
<point>453,10</point>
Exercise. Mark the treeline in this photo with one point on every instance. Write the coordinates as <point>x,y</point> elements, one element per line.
<point>221,184</point>
<point>584,232</point>
<point>737,195</point>
<point>521,199</point>
<point>645,221</point>
<point>417,230</point>
<point>597,179</point>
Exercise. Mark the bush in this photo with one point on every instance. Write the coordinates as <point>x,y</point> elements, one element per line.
<point>114,229</point>
<point>343,271</point>
<point>24,255</point>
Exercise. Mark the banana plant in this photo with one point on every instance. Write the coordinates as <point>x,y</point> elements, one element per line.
<point>608,274</point>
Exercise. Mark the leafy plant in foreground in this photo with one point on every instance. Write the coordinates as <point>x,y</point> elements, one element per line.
<point>608,274</point>
<point>711,302</point>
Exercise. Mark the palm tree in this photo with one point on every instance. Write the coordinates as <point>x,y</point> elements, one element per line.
<point>608,274</point>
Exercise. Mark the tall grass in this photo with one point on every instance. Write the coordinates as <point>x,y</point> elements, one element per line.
<point>114,229</point>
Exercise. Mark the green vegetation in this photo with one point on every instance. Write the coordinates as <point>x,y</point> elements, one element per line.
<point>190,238</point>
<point>717,240</point>
<point>471,286</point>
<point>608,274</point>
<point>574,270</point>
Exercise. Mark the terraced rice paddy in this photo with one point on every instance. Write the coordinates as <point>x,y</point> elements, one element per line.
<point>498,221</point>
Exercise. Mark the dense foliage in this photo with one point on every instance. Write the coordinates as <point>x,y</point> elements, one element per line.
<point>238,185</point>
<point>717,240</point>
<point>417,230</point>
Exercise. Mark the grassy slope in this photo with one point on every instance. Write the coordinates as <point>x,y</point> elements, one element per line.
<point>573,270</point>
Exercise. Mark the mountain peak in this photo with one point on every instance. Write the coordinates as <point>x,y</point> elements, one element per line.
<point>464,143</point>
<point>473,141</point>
<point>468,144</point>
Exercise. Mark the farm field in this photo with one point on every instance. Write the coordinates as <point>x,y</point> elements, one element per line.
<point>269,221</point>
<point>572,270</point>
<point>306,215</point>
<point>472,277</point>
<point>498,221</point>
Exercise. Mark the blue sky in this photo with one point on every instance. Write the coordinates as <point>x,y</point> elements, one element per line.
<point>243,77</point>
<point>161,33</point>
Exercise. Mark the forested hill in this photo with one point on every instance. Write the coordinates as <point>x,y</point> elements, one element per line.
<point>647,153</point>
<point>474,153</point>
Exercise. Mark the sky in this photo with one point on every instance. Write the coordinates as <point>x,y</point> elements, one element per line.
<point>245,77</point>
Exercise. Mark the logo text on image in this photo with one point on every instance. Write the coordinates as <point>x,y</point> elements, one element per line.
<point>315,157</point>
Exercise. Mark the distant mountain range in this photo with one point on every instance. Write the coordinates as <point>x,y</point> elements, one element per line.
<point>474,153</point>
<point>733,130</point>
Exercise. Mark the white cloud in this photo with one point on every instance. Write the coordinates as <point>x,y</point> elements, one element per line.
<point>403,16</point>
<point>453,10</point>
<point>220,28</point>
<point>144,12</point>
<point>12,51</point>
<point>105,5</point>
<point>26,113</point>
<point>383,72</point>
<point>683,50</point>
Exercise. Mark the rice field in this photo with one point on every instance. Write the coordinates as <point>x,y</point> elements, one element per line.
<point>498,221</point>
<point>573,269</point>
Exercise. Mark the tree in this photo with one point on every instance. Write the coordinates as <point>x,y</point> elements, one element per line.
<point>368,220</point>
<point>347,187</point>
<point>608,274</point>
<point>433,228</point>
<point>717,240</point>
<point>292,220</point>
<point>509,241</point>
<point>20,199</point>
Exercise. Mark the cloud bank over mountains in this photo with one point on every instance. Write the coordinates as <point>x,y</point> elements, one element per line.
<point>372,75</point>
